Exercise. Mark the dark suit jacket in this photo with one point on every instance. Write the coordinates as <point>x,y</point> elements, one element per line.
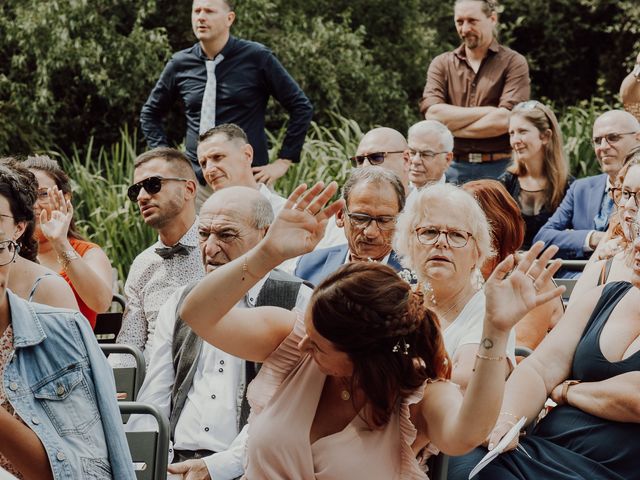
<point>317,265</point>
<point>573,220</point>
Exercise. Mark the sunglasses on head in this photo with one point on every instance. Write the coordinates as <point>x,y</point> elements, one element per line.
<point>151,185</point>
<point>376,158</point>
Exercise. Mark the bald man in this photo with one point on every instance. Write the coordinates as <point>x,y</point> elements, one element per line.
<point>582,218</point>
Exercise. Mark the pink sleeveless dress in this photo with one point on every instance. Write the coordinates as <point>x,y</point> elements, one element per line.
<point>284,398</point>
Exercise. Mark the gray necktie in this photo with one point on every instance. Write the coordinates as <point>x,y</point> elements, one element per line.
<point>208,110</point>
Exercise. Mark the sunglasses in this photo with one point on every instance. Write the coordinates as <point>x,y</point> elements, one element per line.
<point>611,138</point>
<point>151,185</point>
<point>376,158</point>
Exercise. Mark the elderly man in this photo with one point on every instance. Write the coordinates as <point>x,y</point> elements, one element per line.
<point>579,223</point>
<point>225,157</point>
<point>187,376</point>
<point>164,187</point>
<point>223,79</point>
<point>430,152</point>
<point>472,90</point>
<point>373,199</point>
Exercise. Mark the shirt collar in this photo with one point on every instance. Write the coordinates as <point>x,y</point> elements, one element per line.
<point>461,53</point>
<point>225,50</point>
<point>189,239</point>
<point>27,329</point>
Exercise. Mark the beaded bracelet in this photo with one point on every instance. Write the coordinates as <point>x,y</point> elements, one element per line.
<point>486,357</point>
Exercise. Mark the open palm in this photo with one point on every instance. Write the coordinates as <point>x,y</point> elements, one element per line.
<point>55,226</point>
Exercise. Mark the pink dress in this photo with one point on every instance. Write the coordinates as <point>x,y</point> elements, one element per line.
<point>284,398</point>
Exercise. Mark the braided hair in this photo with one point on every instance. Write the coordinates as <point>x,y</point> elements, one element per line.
<point>366,310</point>
<point>20,188</point>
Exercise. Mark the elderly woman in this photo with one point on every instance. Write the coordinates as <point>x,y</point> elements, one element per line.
<point>590,366</point>
<point>359,375</point>
<point>30,280</point>
<point>507,234</point>
<point>444,237</point>
<point>84,265</point>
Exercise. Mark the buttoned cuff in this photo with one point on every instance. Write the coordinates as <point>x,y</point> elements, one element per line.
<point>224,465</point>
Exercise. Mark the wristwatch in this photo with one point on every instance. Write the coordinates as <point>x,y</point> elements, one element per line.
<point>565,389</point>
<point>636,72</point>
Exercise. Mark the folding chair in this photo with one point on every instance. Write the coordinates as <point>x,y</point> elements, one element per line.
<point>149,450</point>
<point>568,283</point>
<point>128,379</point>
<point>108,323</point>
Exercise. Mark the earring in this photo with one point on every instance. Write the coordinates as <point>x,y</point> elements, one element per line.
<point>477,279</point>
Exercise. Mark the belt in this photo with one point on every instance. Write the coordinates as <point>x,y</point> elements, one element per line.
<point>481,157</point>
<point>184,455</point>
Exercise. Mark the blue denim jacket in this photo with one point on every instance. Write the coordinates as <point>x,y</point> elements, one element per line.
<point>61,385</point>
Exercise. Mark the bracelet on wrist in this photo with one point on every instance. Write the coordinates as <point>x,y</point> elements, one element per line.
<point>565,389</point>
<point>66,257</point>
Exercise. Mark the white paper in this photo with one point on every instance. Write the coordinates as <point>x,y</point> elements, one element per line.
<point>499,448</point>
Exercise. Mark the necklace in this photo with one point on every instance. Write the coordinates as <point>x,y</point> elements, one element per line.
<point>452,307</point>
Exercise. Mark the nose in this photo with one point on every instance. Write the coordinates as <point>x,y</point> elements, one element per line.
<point>441,241</point>
<point>142,194</point>
<point>211,246</point>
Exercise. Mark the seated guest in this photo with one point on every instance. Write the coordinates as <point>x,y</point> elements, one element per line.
<point>373,198</point>
<point>59,418</point>
<point>30,280</point>
<point>338,381</point>
<point>590,366</point>
<point>539,176</point>
<point>225,157</point>
<point>616,267</point>
<point>630,90</point>
<point>83,264</point>
<point>431,152</point>
<point>580,222</point>
<point>164,187</point>
<point>444,237</point>
<point>186,376</point>
<point>507,234</point>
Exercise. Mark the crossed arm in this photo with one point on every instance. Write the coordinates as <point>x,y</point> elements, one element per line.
<point>471,122</point>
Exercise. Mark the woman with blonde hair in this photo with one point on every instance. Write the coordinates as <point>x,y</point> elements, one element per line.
<point>539,177</point>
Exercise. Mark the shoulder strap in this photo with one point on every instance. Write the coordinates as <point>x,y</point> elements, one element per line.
<point>35,285</point>
<point>604,272</point>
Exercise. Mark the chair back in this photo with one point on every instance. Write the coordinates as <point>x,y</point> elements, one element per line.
<point>128,379</point>
<point>108,323</point>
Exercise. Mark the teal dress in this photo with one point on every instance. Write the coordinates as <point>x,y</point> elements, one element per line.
<point>569,444</point>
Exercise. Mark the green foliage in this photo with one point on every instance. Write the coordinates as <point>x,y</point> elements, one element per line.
<point>103,213</point>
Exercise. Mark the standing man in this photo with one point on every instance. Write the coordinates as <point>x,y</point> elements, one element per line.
<point>164,187</point>
<point>430,151</point>
<point>223,79</point>
<point>472,90</point>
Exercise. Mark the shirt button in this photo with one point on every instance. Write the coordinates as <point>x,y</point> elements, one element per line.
<point>61,456</point>
<point>221,362</point>
<point>13,386</point>
<point>206,429</point>
<point>221,370</point>
<point>60,390</point>
<point>213,397</point>
<point>35,420</point>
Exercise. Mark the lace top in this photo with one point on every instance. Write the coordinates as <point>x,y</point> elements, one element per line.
<point>6,352</point>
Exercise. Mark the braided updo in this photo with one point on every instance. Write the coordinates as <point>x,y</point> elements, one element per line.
<point>20,188</point>
<point>365,310</point>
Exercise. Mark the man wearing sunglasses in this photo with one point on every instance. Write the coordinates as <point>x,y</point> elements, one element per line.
<point>580,222</point>
<point>373,199</point>
<point>472,90</point>
<point>164,189</point>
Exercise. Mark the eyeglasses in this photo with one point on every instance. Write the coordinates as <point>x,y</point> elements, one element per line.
<point>151,185</point>
<point>621,196</point>
<point>376,158</point>
<point>5,215</point>
<point>8,250</point>
<point>430,236</point>
<point>611,138</point>
<point>425,155</point>
<point>362,220</point>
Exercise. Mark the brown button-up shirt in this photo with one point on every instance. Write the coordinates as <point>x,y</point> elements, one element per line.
<point>502,81</point>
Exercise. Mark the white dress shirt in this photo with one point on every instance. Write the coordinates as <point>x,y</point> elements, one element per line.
<point>276,201</point>
<point>209,418</point>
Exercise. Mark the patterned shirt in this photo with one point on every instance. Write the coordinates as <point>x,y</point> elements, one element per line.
<point>6,352</point>
<point>150,283</point>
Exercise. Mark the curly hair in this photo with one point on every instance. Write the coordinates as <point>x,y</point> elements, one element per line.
<point>19,187</point>
<point>366,310</point>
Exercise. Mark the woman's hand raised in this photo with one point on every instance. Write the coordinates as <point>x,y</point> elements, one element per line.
<point>55,226</point>
<point>301,223</point>
<point>513,289</point>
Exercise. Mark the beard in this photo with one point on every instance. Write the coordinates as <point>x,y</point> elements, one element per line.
<point>471,41</point>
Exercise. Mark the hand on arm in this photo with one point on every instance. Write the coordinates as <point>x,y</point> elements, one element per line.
<point>269,174</point>
<point>492,124</point>
<point>456,118</point>
<point>253,334</point>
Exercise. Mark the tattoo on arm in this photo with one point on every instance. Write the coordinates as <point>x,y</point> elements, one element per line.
<point>487,343</point>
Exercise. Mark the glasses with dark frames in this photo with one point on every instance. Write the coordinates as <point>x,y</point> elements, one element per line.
<point>621,196</point>
<point>362,220</point>
<point>611,138</point>
<point>151,185</point>
<point>455,238</point>
<point>376,158</point>
<point>8,251</point>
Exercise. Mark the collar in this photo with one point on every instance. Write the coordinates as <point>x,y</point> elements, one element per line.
<point>264,190</point>
<point>607,185</point>
<point>251,296</point>
<point>189,239</point>
<point>461,53</point>
<point>225,50</point>
<point>27,329</point>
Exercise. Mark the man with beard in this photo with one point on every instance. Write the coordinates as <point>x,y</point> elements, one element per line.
<point>373,197</point>
<point>164,187</point>
<point>472,90</point>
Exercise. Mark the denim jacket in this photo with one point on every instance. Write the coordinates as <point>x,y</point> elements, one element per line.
<point>61,385</point>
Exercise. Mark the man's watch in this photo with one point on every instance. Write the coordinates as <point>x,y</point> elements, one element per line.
<point>636,72</point>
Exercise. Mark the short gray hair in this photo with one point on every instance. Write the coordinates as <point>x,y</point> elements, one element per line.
<point>421,201</point>
<point>375,175</point>
<point>444,134</point>
<point>262,213</point>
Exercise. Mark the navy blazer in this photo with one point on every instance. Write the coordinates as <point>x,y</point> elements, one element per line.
<point>574,218</point>
<point>319,264</point>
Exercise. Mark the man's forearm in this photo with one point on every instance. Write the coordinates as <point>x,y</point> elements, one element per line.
<point>491,125</point>
<point>454,117</point>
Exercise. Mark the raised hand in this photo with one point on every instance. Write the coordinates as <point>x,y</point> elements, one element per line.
<point>55,226</point>
<point>513,289</point>
<point>301,223</point>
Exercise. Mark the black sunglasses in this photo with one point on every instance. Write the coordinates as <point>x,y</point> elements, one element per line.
<point>151,185</point>
<point>376,158</point>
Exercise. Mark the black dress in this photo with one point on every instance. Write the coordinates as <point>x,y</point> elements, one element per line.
<point>569,444</point>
